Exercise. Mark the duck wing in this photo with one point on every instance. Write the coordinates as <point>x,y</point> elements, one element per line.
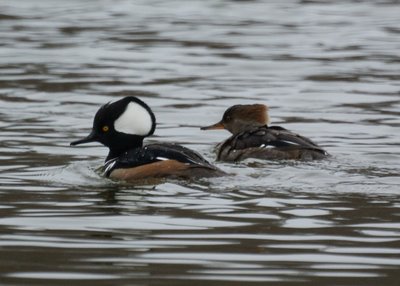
<point>262,138</point>
<point>157,152</point>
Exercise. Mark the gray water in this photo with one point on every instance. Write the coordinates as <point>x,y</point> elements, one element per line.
<point>329,70</point>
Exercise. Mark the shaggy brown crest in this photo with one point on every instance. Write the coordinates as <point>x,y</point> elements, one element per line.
<point>240,117</point>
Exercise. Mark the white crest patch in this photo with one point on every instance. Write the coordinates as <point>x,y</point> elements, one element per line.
<point>135,120</point>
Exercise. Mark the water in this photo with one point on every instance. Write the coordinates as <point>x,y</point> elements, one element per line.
<point>328,70</point>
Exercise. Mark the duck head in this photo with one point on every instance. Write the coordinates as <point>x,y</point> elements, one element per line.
<point>238,118</point>
<point>121,125</point>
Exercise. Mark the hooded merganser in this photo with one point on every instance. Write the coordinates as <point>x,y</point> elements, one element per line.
<point>253,138</point>
<point>121,126</point>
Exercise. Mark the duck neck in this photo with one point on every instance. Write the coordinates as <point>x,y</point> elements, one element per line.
<point>240,127</point>
<point>123,145</point>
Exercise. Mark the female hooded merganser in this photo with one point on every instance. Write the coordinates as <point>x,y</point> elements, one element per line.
<point>253,138</point>
<point>122,126</point>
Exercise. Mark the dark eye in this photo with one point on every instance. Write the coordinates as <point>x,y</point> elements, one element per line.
<point>105,128</point>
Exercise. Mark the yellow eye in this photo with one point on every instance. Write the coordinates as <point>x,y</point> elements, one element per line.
<point>105,128</point>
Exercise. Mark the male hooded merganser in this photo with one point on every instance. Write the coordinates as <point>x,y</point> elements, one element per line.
<point>253,138</point>
<point>122,126</point>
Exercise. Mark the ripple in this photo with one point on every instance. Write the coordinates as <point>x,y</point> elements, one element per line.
<point>108,222</point>
<point>62,275</point>
<point>311,258</point>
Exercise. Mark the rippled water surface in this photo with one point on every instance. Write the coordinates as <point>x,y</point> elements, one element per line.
<point>328,70</point>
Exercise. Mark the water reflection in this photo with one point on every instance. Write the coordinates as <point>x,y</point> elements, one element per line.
<point>327,70</point>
